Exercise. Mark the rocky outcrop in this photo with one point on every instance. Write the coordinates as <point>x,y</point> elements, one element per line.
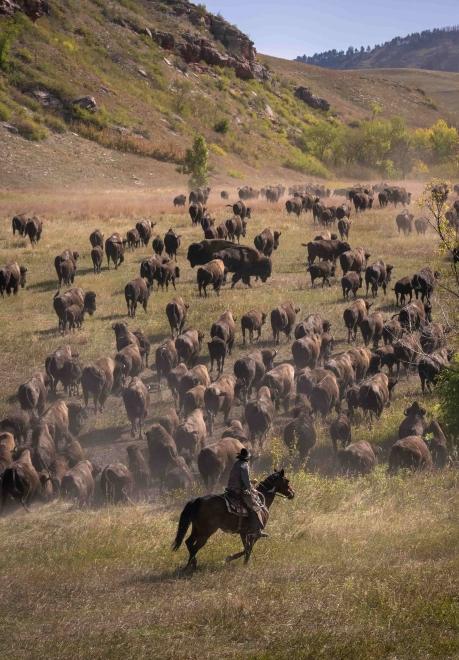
<point>240,52</point>
<point>34,9</point>
<point>305,94</point>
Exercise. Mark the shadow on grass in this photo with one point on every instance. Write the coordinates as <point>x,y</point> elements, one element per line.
<point>46,285</point>
<point>48,332</point>
<point>180,573</point>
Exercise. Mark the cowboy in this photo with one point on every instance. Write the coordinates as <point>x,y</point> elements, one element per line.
<point>239,485</point>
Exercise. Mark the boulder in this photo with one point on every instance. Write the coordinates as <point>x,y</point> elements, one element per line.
<point>305,95</point>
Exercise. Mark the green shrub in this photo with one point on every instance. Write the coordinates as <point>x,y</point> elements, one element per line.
<point>5,112</point>
<point>196,162</point>
<point>448,392</point>
<point>221,126</point>
<point>30,130</point>
<point>306,164</point>
<point>99,119</point>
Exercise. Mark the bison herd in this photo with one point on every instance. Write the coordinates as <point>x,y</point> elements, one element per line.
<point>318,388</point>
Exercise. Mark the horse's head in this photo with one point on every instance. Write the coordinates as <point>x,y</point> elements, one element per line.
<point>277,482</point>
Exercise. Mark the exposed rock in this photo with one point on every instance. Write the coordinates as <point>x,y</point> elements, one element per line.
<point>47,99</point>
<point>305,94</point>
<point>86,102</point>
<point>241,53</point>
<point>34,9</point>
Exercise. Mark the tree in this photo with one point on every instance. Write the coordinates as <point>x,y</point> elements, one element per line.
<point>444,139</point>
<point>196,162</point>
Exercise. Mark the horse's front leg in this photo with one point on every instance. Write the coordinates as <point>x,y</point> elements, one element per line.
<point>237,555</point>
<point>249,542</point>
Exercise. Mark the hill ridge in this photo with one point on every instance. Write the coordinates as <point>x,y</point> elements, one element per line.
<point>436,50</point>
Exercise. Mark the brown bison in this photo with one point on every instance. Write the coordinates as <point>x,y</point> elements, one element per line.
<point>12,276</point>
<point>78,483</point>
<point>212,273</point>
<point>99,380</point>
<point>136,398</point>
<point>114,250</point>
<point>116,483</point>
<point>267,241</point>
<point>136,292</point>
<point>190,435</point>
<point>282,320</point>
<point>216,460</point>
<point>357,458</point>
<point>410,453</point>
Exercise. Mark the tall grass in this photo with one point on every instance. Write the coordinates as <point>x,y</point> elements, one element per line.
<point>362,568</point>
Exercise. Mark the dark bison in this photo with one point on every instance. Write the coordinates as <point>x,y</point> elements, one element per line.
<point>136,292</point>
<point>322,270</point>
<point>171,243</point>
<point>378,275</point>
<point>243,261</point>
<point>144,229</point>
<point>97,256</point>
<point>327,250</point>
<point>114,250</point>
<point>267,241</point>
<point>34,228</point>
<point>180,200</point>
<point>12,276</point>
<point>96,238</point>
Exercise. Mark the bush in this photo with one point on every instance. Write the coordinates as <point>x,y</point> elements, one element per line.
<point>217,150</point>
<point>306,164</point>
<point>221,126</point>
<point>5,112</point>
<point>196,162</point>
<point>30,130</point>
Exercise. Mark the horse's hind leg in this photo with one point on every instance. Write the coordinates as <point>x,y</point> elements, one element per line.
<point>194,545</point>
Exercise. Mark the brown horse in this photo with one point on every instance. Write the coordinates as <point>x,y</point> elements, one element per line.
<point>209,514</point>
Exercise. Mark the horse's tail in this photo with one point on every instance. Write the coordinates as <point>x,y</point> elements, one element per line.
<point>186,517</point>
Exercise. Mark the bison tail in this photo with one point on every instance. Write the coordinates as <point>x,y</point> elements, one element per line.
<point>186,518</point>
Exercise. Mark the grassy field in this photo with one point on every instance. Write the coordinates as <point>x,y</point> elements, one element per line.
<point>362,568</point>
<point>353,569</point>
<point>26,344</point>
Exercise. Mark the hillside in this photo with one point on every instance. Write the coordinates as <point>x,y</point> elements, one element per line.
<point>436,49</point>
<point>143,77</point>
<point>419,96</point>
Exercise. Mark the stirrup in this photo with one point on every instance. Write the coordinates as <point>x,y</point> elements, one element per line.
<point>264,535</point>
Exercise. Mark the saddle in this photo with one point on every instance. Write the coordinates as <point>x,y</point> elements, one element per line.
<point>235,505</point>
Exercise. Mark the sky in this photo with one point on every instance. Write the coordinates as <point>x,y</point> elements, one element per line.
<point>287,28</point>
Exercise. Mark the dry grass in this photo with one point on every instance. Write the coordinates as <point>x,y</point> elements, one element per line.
<point>353,569</point>
<point>361,568</point>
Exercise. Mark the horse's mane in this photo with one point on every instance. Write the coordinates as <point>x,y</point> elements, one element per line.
<point>268,483</point>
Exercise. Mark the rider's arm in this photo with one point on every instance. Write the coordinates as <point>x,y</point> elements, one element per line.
<point>245,478</point>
